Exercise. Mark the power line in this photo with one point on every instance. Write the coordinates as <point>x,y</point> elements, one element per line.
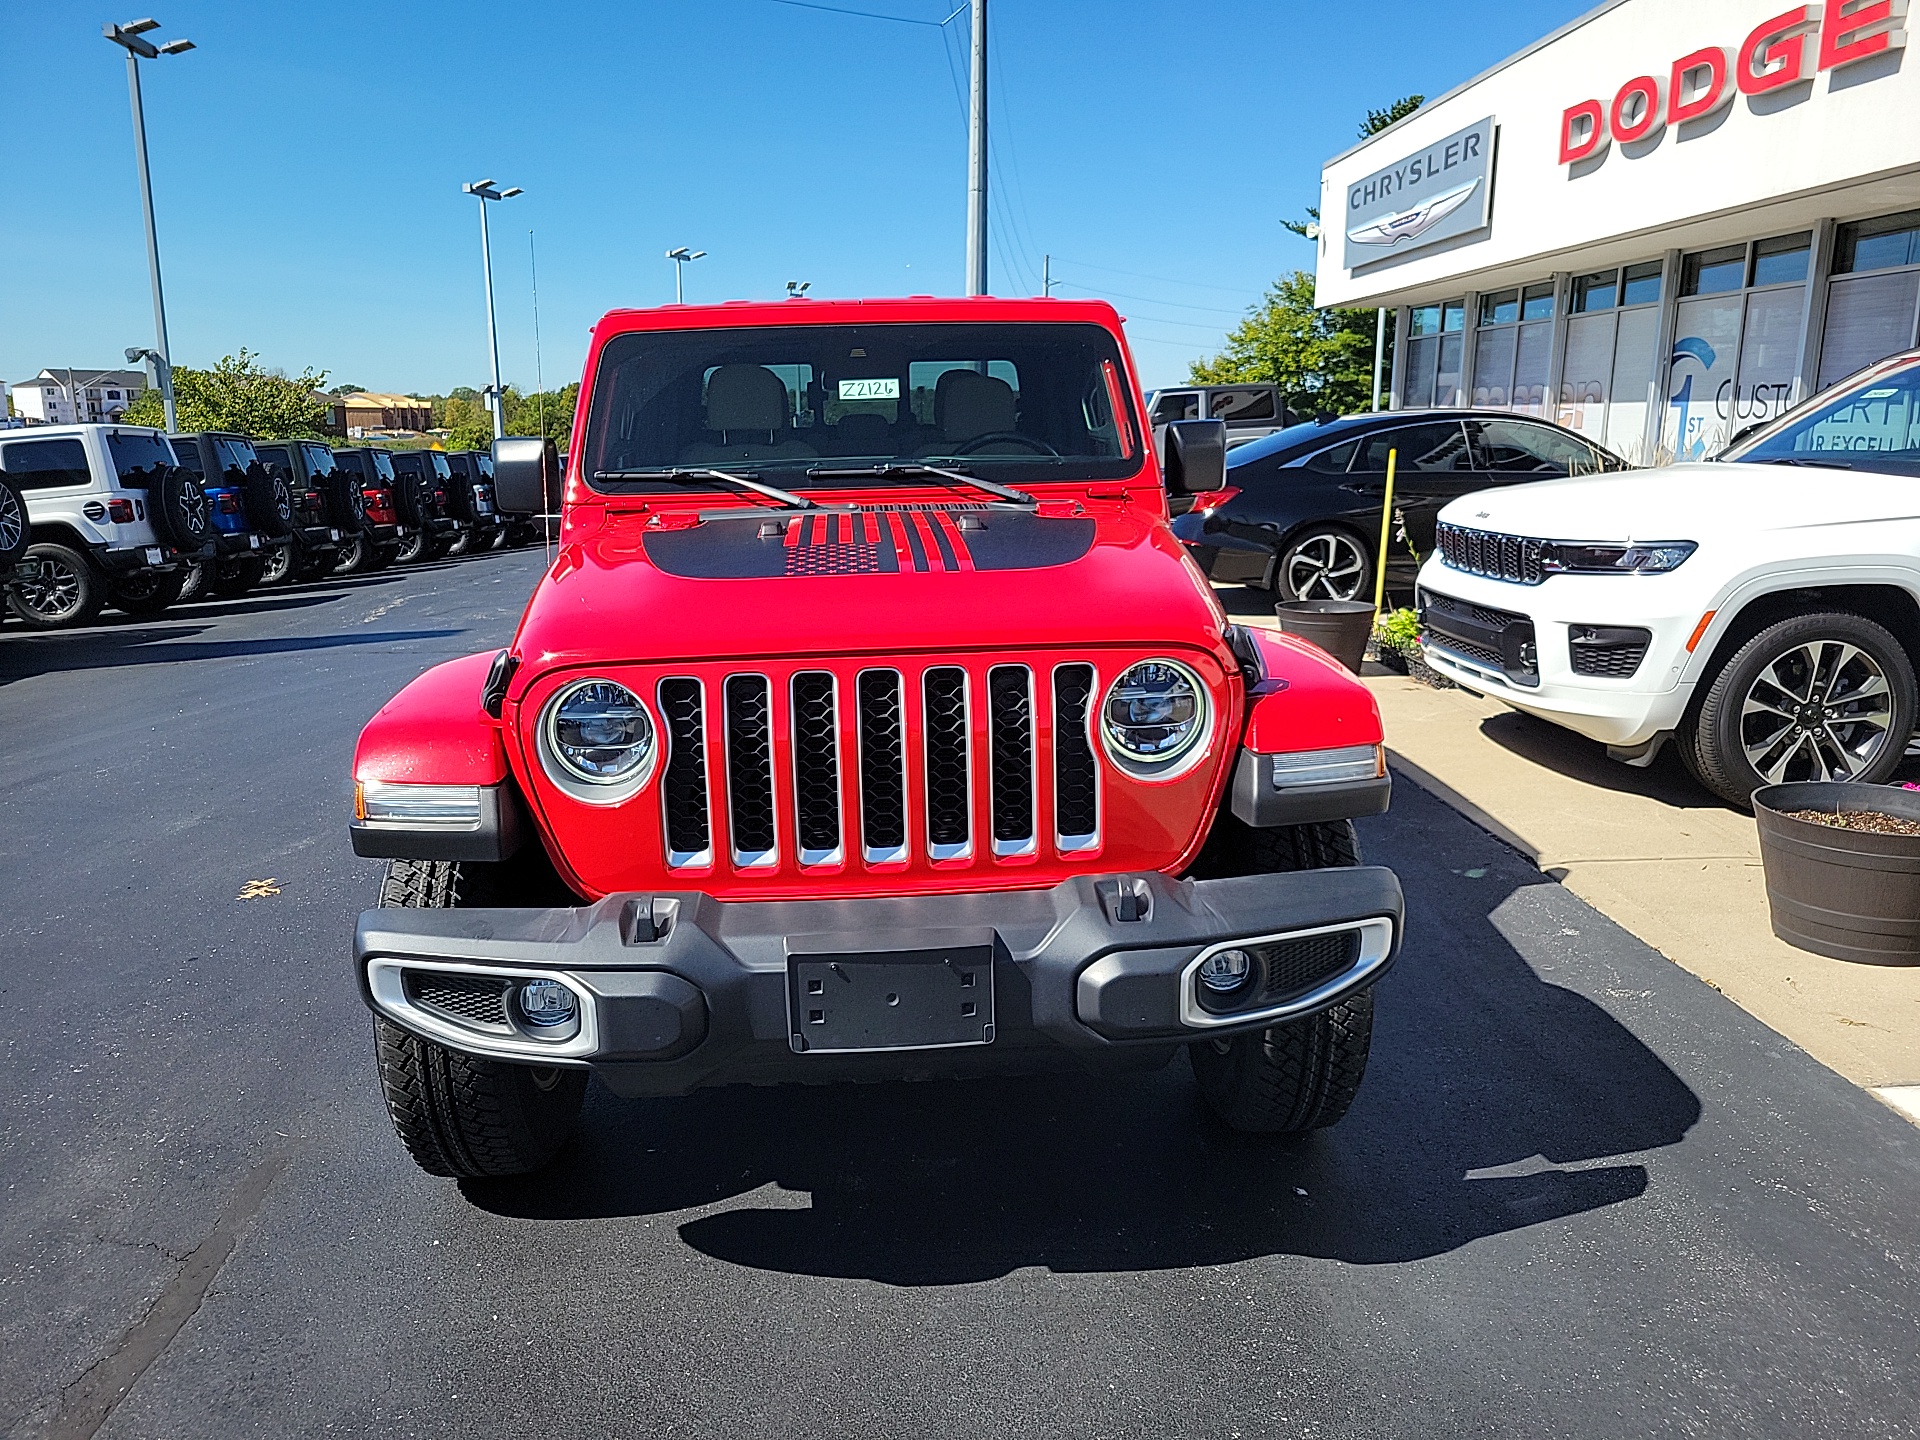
<point>867,14</point>
<point>1101,290</point>
<point>1141,275</point>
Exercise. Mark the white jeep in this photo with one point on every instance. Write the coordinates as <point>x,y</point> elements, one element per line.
<point>112,520</point>
<point>1761,610</point>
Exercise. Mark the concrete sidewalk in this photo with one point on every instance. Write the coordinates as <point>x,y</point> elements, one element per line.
<point>1655,853</point>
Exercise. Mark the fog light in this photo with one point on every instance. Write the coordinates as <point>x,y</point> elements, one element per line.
<point>1225,971</point>
<point>547,1004</point>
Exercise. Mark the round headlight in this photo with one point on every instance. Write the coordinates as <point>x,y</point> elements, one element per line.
<point>600,732</point>
<point>1154,713</point>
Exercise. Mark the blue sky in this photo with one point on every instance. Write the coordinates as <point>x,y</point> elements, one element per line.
<point>308,161</point>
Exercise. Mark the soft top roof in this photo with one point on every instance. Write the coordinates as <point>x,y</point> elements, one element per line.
<point>923,309</point>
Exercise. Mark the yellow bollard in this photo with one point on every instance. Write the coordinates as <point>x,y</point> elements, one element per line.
<point>1386,530</point>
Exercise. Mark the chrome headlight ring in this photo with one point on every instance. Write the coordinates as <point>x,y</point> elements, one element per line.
<point>1155,719</point>
<point>598,741</point>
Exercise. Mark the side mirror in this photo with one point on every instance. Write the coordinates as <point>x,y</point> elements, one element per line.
<point>526,475</point>
<point>1194,460</point>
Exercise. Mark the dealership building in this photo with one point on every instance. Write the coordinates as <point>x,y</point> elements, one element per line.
<point>1658,225</point>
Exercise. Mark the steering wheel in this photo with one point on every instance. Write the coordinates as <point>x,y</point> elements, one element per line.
<point>1038,447</point>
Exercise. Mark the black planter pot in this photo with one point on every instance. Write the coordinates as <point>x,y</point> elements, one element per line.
<point>1846,894</point>
<point>1339,627</point>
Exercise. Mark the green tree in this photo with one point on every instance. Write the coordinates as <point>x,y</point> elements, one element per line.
<point>345,389</point>
<point>1376,121</point>
<point>1320,359</point>
<point>238,395</point>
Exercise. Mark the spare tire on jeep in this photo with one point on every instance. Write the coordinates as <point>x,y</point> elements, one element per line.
<point>413,500</point>
<point>14,536</point>
<point>179,509</point>
<point>268,500</point>
<point>346,503</point>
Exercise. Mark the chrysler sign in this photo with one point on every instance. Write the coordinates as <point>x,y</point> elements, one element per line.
<point>1785,51</point>
<point>1435,194</point>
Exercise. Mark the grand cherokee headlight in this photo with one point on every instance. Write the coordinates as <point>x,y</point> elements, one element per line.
<point>1155,713</point>
<point>599,732</point>
<point>1655,558</point>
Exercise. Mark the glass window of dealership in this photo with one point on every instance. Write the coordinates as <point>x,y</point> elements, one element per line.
<point>1753,328</point>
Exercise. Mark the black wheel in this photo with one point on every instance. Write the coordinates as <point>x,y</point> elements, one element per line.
<point>346,501</point>
<point>181,513</point>
<point>63,589</point>
<point>194,583</point>
<point>460,1115</point>
<point>1303,1074</point>
<point>357,554</point>
<point>14,536</point>
<point>233,578</point>
<point>412,548</point>
<point>148,592</point>
<point>1828,696</point>
<point>460,543</point>
<point>1324,562</point>
<point>276,565</point>
<point>268,500</point>
<point>499,540</point>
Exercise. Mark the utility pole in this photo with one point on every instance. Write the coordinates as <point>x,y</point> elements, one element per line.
<point>127,37</point>
<point>483,190</point>
<point>1046,276</point>
<point>977,159</point>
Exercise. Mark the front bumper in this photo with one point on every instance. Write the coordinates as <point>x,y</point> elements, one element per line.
<point>679,991</point>
<point>1531,667</point>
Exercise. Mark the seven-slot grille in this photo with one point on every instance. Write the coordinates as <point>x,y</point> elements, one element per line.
<point>1496,556</point>
<point>978,727</point>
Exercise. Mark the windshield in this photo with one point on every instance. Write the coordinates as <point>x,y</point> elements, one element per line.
<point>1012,402</point>
<point>139,458</point>
<point>1871,422</point>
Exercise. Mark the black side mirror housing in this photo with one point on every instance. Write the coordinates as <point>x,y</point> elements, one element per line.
<point>1194,459</point>
<point>526,475</point>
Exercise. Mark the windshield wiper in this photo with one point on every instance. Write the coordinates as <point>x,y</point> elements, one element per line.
<point>916,467</point>
<point>683,473</point>
<point>1804,460</point>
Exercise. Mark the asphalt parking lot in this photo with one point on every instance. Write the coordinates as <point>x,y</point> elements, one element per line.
<point>1580,1194</point>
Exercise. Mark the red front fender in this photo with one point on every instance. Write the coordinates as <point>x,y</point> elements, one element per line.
<point>434,732</point>
<point>1306,700</point>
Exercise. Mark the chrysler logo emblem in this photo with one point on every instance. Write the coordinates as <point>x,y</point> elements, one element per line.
<point>1409,224</point>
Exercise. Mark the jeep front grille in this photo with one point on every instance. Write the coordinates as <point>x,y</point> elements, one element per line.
<point>844,768</point>
<point>1498,557</point>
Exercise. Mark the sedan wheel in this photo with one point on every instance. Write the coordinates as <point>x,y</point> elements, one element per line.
<point>1818,697</point>
<point>1323,565</point>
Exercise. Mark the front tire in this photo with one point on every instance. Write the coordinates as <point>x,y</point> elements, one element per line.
<point>1324,562</point>
<point>1303,1074</point>
<point>460,1115</point>
<point>1829,696</point>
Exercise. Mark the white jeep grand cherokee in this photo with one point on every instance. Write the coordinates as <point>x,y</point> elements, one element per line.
<point>1759,609</point>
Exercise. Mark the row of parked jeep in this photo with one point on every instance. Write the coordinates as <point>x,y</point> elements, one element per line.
<point>98,516</point>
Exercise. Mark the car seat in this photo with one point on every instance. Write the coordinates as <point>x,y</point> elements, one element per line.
<point>747,419</point>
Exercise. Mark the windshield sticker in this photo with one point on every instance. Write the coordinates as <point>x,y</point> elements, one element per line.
<point>885,388</point>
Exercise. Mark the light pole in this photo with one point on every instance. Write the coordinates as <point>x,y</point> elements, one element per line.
<point>977,158</point>
<point>681,258</point>
<point>483,190</point>
<point>157,367</point>
<point>797,288</point>
<point>127,37</point>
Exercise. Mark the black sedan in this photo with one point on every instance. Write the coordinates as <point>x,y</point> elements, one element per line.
<point>1300,514</point>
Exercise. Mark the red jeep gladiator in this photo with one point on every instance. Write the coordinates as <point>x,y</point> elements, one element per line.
<point>870,724</point>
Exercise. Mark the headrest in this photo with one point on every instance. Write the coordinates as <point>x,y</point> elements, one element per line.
<point>864,433</point>
<point>967,404</point>
<point>746,397</point>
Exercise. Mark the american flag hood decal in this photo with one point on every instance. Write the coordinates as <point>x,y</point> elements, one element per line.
<point>876,540</point>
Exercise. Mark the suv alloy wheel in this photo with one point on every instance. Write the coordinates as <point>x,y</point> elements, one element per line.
<point>1827,696</point>
<point>64,589</point>
<point>14,536</point>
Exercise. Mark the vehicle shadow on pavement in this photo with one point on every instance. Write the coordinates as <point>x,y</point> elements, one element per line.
<point>148,645</point>
<point>1495,1101</point>
<point>1556,748</point>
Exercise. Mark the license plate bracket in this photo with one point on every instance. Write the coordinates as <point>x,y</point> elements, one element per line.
<point>890,1000</point>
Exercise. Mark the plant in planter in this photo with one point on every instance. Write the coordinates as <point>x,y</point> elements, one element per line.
<point>1396,641</point>
<point>1843,868</point>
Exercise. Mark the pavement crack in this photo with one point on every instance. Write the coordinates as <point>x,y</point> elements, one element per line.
<point>86,1403</point>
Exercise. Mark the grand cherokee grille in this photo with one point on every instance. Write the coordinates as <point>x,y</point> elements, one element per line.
<point>1496,556</point>
<point>848,770</point>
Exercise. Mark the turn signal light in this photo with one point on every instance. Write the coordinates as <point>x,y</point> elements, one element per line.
<point>416,807</point>
<point>1213,499</point>
<point>120,512</point>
